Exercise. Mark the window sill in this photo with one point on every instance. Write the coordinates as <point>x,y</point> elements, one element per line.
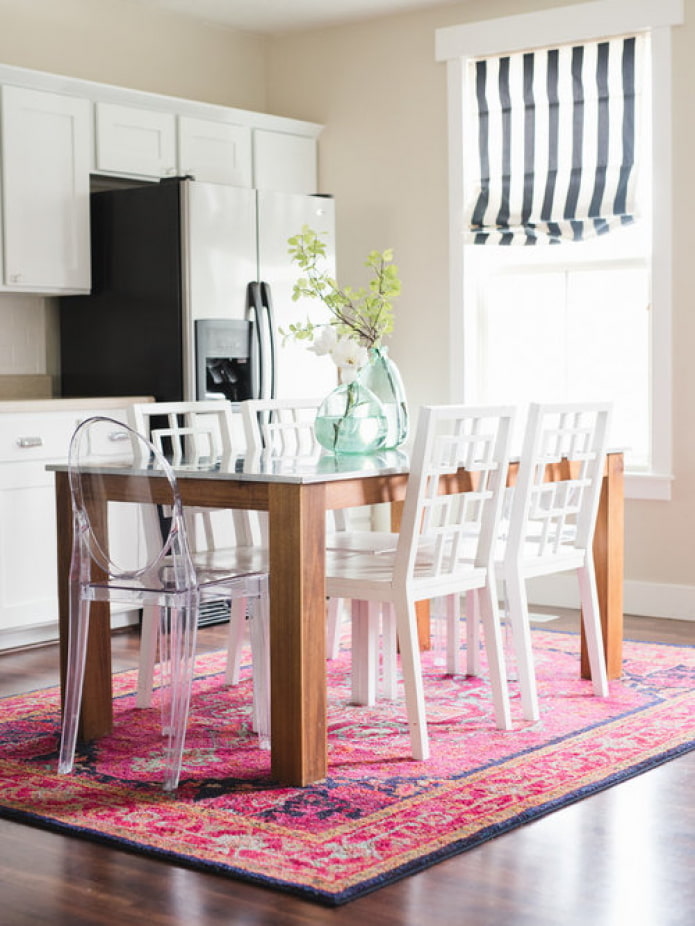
<point>648,486</point>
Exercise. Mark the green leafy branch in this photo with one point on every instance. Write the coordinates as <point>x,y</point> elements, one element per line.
<point>363,314</point>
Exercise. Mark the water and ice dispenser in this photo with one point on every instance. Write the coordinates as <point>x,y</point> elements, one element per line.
<point>224,367</point>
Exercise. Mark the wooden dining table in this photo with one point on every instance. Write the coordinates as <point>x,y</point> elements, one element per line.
<point>296,493</point>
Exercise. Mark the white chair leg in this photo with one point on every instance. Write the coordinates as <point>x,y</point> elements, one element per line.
<point>364,652</point>
<point>406,626</point>
<point>260,654</point>
<point>389,651</point>
<point>489,613</point>
<point>333,621</point>
<point>472,634</point>
<point>235,640</point>
<point>452,606</point>
<point>521,633</point>
<point>148,655</point>
<point>591,622</point>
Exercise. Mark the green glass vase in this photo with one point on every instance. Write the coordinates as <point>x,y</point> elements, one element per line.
<point>351,420</point>
<point>382,377</point>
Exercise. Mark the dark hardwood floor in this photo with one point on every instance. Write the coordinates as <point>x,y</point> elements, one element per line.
<point>625,856</point>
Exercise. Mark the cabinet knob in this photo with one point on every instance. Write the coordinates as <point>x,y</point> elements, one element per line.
<point>30,442</point>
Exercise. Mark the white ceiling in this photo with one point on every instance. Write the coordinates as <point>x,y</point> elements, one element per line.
<point>284,15</point>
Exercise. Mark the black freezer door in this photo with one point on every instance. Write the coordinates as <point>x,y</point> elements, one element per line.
<point>126,337</point>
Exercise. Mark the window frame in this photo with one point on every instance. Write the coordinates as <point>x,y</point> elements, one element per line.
<point>583,22</point>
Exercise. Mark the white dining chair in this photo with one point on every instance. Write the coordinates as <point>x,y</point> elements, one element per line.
<point>163,574</point>
<point>285,428</point>
<point>199,431</point>
<point>550,529</point>
<point>444,547</point>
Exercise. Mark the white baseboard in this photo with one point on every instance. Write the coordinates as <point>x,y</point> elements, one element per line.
<point>19,638</point>
<point>645,599</point>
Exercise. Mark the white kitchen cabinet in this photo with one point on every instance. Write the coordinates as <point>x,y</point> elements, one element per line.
<point>45,191</point>
<point>215,152</point>
<point>283,162</point>
<point>134,141</point>
<point>28,571</point>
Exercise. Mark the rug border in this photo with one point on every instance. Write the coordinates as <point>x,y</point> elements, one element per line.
<point>339,898</point>
<point>368,886</point>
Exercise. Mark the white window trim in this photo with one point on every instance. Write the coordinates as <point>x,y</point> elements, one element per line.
<point>583,22</point>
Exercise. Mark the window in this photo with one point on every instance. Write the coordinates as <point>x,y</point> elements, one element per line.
<point>544,322</point>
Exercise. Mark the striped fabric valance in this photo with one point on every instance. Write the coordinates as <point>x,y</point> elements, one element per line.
<point>556,146</point>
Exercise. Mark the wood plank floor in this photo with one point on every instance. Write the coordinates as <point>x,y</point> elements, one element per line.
<point>625,856</point>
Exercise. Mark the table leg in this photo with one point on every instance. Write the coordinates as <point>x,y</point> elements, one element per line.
<point>297,524</point>
<point>96,717</point>
<point>609,544</point>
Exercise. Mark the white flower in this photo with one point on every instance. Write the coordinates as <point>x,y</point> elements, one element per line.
<point>325,341</point>
<point>349,357</point>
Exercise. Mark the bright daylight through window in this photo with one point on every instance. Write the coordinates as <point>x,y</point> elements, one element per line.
<point>557,203</point>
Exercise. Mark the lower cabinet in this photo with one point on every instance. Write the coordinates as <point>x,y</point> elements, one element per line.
<point>28,569</point>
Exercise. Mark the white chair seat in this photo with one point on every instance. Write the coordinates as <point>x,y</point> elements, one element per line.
<point>375,574</point>
<point>362,541</point>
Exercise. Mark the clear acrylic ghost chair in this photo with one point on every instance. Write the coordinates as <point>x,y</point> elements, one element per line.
<point>551,528</point>
<point>445,547</point>
<point>190,432</point>
<point>165,575</point>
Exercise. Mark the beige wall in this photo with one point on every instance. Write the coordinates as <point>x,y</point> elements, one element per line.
<point>123,43</point>
<point>383,154</point>
<point>382,97</point>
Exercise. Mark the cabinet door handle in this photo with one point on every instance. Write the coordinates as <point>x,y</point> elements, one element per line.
<point>30,442</point>
<point>118,436</point>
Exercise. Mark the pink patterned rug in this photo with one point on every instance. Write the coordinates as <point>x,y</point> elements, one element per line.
<point>379,816</point>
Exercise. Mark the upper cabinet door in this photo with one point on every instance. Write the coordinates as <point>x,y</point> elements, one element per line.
<point>215,152</point>
<point>45,173</point>
<point>284,163</point>
<point>141,142</point>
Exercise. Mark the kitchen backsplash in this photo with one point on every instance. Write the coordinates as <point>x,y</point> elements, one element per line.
<point>28,335</point>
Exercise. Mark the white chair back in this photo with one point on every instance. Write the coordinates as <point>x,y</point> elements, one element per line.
<point>194,430</point>
<point>443,536</point>
<point>281,427</point>
<point>552,522</point>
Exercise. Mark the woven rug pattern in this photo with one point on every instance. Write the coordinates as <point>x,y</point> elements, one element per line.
<point>379,815</point>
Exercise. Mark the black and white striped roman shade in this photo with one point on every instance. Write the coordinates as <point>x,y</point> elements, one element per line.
<point>556,133</point>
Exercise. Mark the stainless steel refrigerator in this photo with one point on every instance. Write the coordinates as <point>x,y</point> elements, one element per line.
<point>191,283</point>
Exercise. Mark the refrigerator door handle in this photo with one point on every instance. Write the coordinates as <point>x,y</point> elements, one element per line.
<point>267,302</point>
<point>254,310</point>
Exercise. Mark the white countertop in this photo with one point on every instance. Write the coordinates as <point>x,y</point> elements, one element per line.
<point>58,405</point>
